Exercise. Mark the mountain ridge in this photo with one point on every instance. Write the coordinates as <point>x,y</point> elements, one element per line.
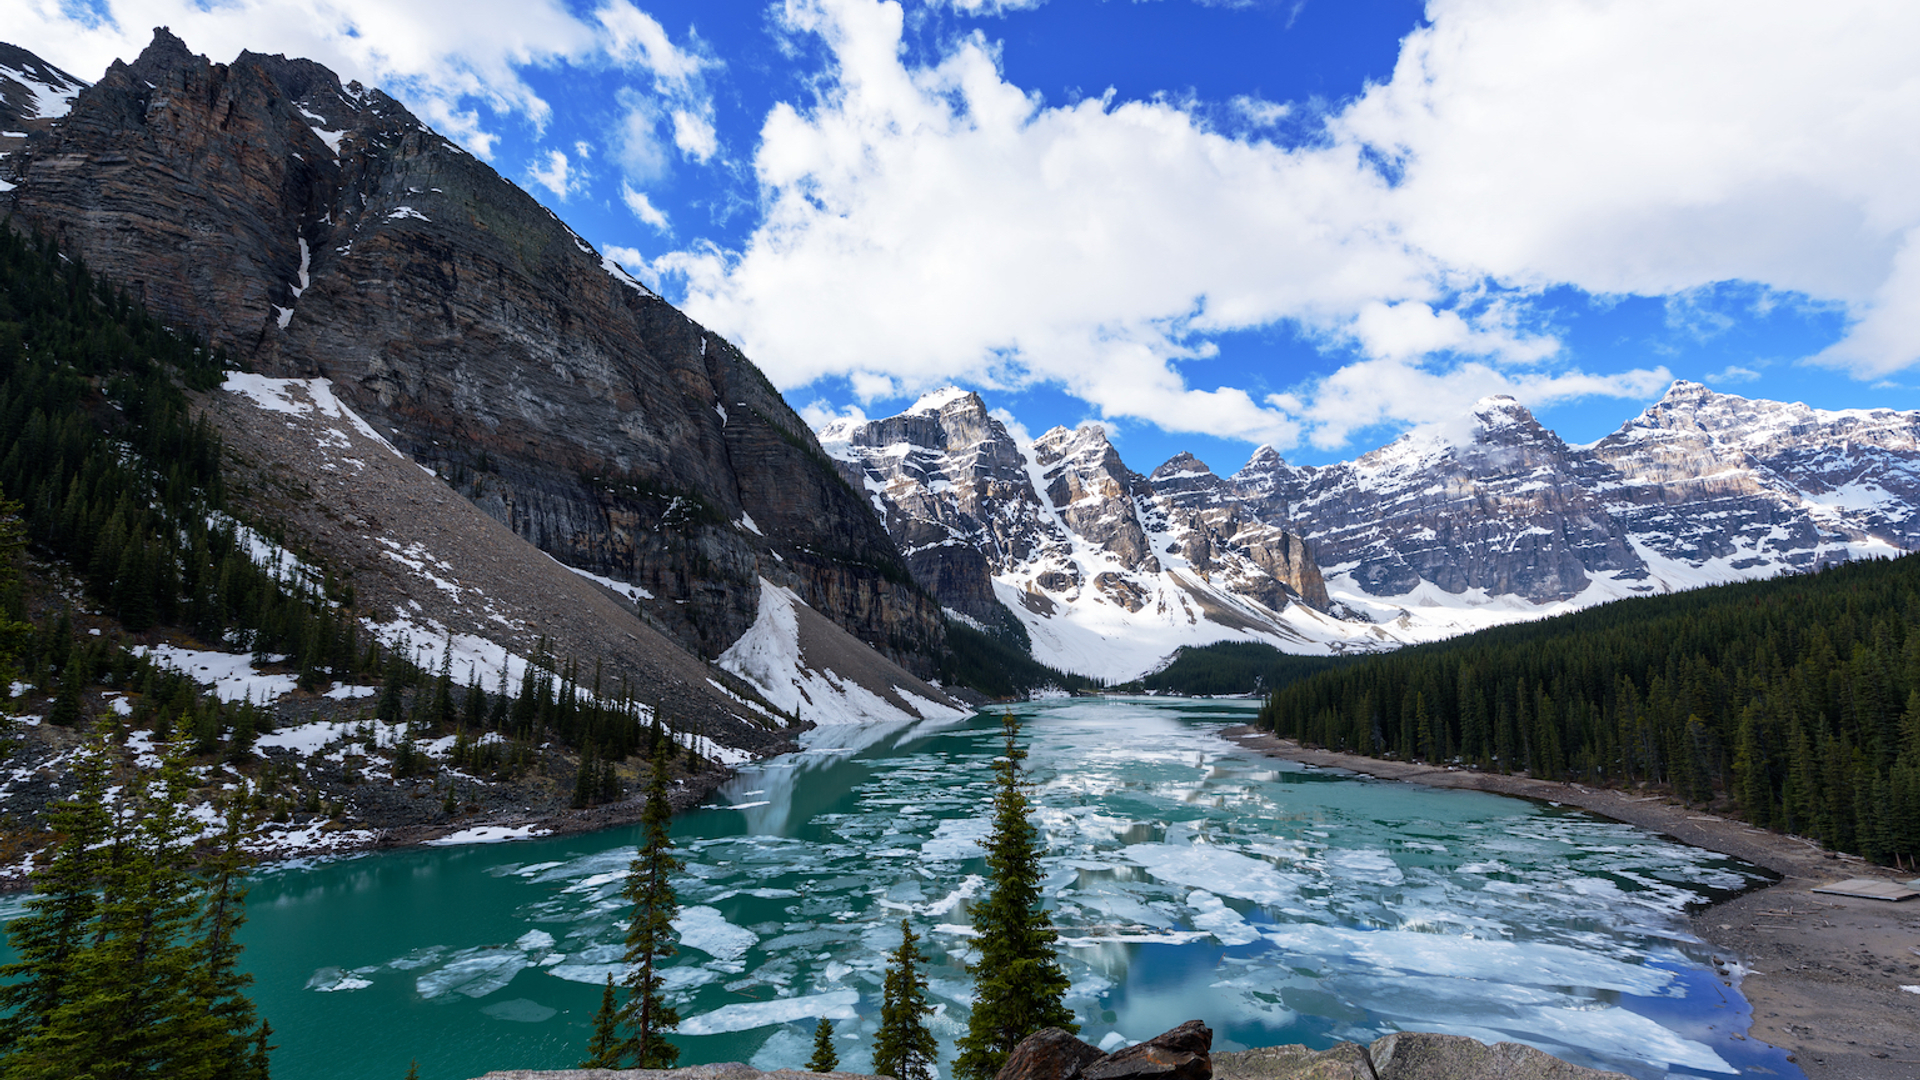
<point>324,235</point>
<point>1449,528</point>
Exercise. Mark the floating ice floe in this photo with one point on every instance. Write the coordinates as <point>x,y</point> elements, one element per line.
<point>745,1016</point>
<point>704,928</point>
<point>330,979</point>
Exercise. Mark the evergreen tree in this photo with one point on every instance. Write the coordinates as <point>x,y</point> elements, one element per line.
<point>1018,984</point>
<point>49,938</point>
<point>130,1008</point>
<point>903,1048</point>
<point>586,781</point>
<point>824,1058</point>
<point>234,1036</point>
<point>605,1050</point>
<point>646,1015</point>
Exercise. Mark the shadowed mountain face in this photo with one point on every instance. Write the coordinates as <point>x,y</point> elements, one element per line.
<point>322,230</point>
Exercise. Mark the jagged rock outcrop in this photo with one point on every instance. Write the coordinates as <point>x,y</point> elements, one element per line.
<point>1702,476</point>
<point>1093,493</point>
<point>1213,522</point>
<point>1053,1054</point>
<point>1702,487</point>
<point>322,230</point>
<point>953,490</point>
<point>1403,1055</point>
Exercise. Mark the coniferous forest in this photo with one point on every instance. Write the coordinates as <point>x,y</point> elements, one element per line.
<point>1794,703</point>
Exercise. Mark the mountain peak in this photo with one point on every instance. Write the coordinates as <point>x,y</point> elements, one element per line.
<point>1182,465</point>
<point>1687,395</point>
<point>163,54</point>
<point>944,398</point>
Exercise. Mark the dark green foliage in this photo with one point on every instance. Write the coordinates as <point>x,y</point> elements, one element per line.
<point>605,1050</point>
<point>646,1015</point>
<point>1232,667</point>
<point>999,669</point>
<point>53,933</point>
<point>1796,701</point>
<point>903,1048</point>
<point>825,1058</point>
<point>1018,983</point>
<point>115,475</point>
<point>128,963</point>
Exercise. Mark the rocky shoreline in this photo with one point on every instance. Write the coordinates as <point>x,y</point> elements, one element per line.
<point>1185,1053</point>
<point>1823,974</point>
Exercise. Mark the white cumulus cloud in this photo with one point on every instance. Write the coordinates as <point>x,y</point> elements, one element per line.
<point>642,207</point>
<point>445,58</point>
<point>555,172</point>
<point>926,224</point>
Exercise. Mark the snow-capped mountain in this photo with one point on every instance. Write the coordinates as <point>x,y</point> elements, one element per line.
<point>1106,571</point>
<point>1490,520</point>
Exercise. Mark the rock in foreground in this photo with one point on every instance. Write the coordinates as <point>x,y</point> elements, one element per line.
<point>1184,1054</point>
<point>1406,1055</point>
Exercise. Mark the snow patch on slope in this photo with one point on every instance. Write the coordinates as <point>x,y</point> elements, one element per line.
<point>284,395</point>
<point>769,655</point>
<point>51,100</point>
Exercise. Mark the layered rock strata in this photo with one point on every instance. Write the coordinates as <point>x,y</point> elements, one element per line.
<point>322,230</point>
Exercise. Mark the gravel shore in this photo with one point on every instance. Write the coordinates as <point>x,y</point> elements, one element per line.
<point>1823,973</point>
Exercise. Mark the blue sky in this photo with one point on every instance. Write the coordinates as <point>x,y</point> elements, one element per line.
<point>1207,224</point>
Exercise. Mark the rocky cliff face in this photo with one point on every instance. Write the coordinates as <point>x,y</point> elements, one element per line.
<point>320,229</point>
<point>1726,484</point>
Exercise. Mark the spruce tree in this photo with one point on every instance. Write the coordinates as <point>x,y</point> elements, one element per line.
<point>130,1007</point>
<point>605,1050</point>
<point>56,927</point>
<point>903,1048</point>
<point>1018,983</point>
<point>824,1058</point>
<point>234,1037</point>
<point>646,1015</point>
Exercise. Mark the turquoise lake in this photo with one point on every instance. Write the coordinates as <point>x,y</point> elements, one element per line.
<point>1188,879</point>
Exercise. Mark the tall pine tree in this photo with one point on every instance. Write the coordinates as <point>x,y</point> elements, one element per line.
<point>646,1015</point>
<point>58,922</point>
<point>903,1048</point>
<point>1018,984</point>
